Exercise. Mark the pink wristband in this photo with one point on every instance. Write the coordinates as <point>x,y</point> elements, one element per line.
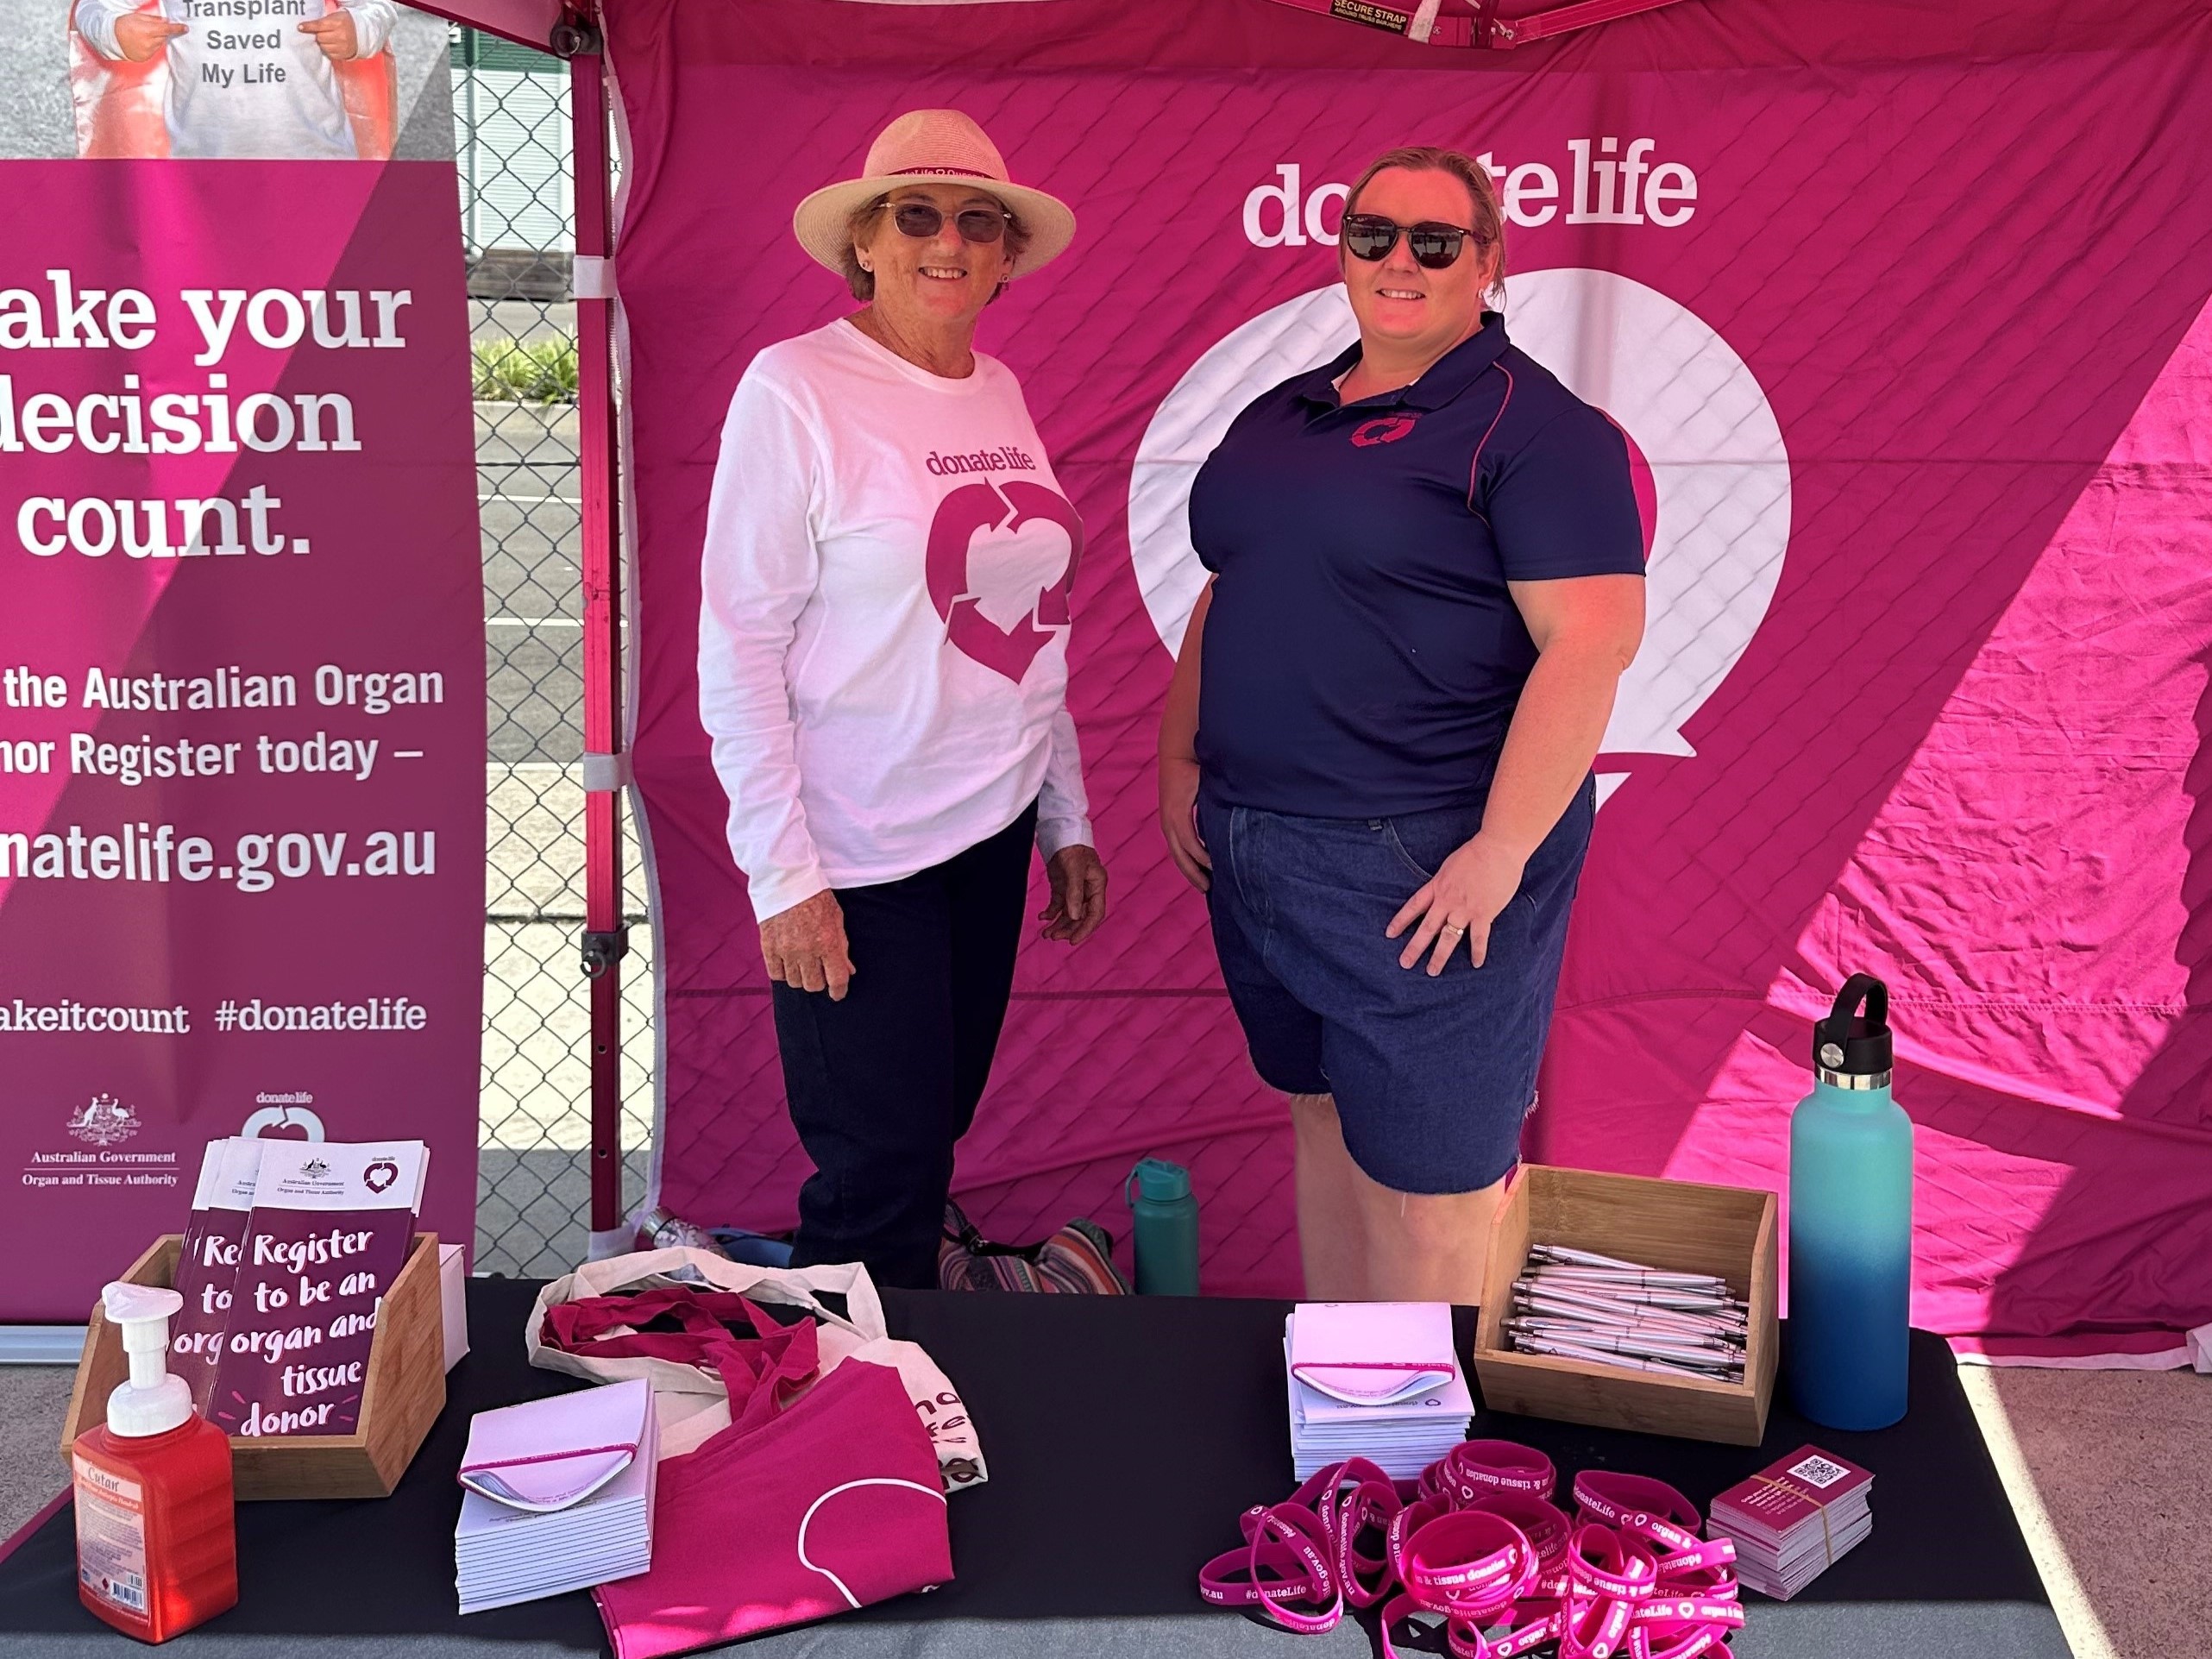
<point>1306,1550</point>
<point>1469,1558</point>
<point>1475,1467</point>
<point>1541,1522</point>
<point>1475,1543</point>
<point>1289,1543</point>
<point>1639,1504</point>
<point>1462,1639</point>
<point>1368,1503</point>
<point>1472,1566</point>
<point>1604,1562</point>
<point>1682,1627</point>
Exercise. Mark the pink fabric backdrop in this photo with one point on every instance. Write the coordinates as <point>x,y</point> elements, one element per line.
<point>1950,735</point>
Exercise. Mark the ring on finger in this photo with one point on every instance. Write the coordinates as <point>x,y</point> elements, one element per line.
<point>1453,928</point>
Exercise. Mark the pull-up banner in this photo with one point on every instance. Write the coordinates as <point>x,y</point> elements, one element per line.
<point>1903,308</point>
<point>241,688</point>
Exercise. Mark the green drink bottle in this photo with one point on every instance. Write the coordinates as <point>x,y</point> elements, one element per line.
<point>1851,1223</point>
<point>1163,1218</point>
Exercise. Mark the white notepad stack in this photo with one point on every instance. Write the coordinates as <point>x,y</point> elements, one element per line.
<point>1373,1379</point>
<point>559,1496</point>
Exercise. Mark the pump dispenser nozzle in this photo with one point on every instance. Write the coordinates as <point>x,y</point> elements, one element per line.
<point>153,1401</point>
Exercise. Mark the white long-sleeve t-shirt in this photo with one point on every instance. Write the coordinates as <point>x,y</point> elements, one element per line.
<point>883,623</point>
<point>244,81</point>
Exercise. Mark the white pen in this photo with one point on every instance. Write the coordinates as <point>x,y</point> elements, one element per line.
<point>1686,1308</point>
<point>1655,1296</point>
<point>1541,1325</point>
<point>1702,1358</point>
<point>1686,1283</point>
<point>1590,1258</point>
<point>1636,1362</point>
<point>1622,1362</point>
<point>1691,1284</point>
<point>1628,1343</point>
<point>1642,1317</point>
<point>1574,1301</point>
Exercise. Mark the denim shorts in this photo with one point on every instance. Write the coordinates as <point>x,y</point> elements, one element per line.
<point>1432,1077</point>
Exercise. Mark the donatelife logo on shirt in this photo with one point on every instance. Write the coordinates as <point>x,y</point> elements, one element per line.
<point>1008,459</point>
<point>1386,429</point>
<point>967,512</point>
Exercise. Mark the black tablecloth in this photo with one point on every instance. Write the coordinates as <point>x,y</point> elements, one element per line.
<point>1124,1437</point>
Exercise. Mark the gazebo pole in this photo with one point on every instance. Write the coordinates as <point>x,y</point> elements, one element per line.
<point>606,937</point>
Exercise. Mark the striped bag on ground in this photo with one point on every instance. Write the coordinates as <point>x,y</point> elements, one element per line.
<point>1076,1260</point>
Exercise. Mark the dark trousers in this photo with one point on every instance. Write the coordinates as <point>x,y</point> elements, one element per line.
<point>883,1084</point>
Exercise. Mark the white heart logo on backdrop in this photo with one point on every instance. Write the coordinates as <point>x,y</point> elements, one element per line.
<point>283,1123</point>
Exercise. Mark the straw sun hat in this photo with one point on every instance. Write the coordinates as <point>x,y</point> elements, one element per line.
<point>931,147</point>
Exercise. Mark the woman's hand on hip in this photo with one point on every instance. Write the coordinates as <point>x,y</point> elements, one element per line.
<point>1458,902</point>
<point>1078,881</point>
<point>804,946</point>
<point>1178,821</point>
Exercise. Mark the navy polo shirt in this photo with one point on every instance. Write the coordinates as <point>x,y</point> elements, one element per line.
<point>1362,654</point>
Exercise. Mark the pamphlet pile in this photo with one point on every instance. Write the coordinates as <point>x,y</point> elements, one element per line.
<point>1791,1521</point>
<point>287,1258</point>
<point>1373,1379</point>
<point>559,1496</point>
<point>207,1262</point>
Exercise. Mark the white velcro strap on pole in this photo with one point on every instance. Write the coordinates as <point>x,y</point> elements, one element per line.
<point>604,774</point>
<point>591,277</point>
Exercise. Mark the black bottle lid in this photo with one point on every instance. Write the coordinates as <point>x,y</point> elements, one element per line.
<point>1849,1042</point>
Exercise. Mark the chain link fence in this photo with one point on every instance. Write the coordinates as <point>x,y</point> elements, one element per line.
<point>511,142</point>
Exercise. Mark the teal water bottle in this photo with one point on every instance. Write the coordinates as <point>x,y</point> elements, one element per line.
<point>1164,1228</point>
<point>1851,1223</point>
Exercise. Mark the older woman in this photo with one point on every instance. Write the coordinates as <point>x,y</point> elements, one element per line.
<point>883,669</point>
<point>1427,581</point>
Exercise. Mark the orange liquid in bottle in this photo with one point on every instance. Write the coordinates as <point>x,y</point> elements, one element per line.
<point>156,1535</point>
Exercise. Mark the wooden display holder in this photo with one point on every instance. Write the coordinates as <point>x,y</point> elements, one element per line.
<point>403,1395</point>
<point>1728,1231</point>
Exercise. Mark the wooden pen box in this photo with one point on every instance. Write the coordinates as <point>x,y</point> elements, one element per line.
<point>1728,1231</point>
<point>403,1394</point>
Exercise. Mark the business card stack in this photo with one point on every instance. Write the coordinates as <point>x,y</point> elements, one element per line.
<point>1373,1379</point>
<point>559,1496</point>
<point>1791,1521</point>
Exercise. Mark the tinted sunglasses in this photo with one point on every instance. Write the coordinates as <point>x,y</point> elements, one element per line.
<point>921,220</point>
<point>1370,236</point>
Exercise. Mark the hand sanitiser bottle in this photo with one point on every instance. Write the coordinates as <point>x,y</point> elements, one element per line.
<point>1851,1223</point>
<point>156,1538</point>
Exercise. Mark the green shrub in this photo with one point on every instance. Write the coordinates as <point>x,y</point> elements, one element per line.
<point>540,371</point>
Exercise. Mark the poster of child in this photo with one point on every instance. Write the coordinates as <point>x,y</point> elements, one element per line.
<point>231,80</point>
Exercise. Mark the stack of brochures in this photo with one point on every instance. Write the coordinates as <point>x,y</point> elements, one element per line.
<point>1373,1379</point>
<point>1791,1520</point>
<point>559,1496</point>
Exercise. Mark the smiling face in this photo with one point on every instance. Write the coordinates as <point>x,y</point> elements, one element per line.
<point>1416,311</point>
<point>932,281</point>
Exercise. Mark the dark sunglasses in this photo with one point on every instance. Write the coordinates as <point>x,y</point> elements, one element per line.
<point>920,220</point>
<point>1370,236</point>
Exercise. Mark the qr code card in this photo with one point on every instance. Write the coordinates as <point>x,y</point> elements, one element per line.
<point>1818,1472</point>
